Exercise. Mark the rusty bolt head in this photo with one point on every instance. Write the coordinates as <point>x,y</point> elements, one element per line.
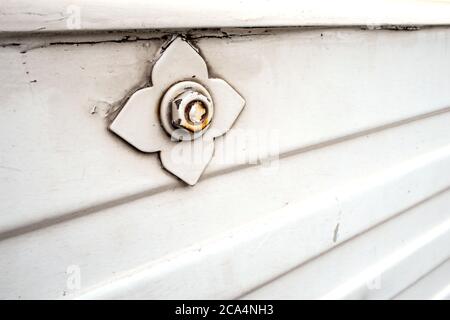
<point>186,110</point>
<point>192,111</point>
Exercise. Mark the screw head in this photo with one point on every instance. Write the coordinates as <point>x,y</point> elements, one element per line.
<point>186,110</point>
<point>192,111</point>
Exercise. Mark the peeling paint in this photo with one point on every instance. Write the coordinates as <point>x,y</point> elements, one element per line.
<point>38,40</point>
<point>393,27</point>
<point>336,233</point>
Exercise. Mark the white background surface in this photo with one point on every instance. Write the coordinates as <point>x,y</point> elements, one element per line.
<point>359,191</point>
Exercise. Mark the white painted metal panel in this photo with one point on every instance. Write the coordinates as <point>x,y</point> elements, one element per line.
<point>100,241</point>
<point>374,265</point>
<point>58,15</point>
<point>434,285</point>
<point>67,143</point>
<point>360,187</point>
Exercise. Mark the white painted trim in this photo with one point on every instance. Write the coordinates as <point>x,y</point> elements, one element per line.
<point>433,286</point>
<point>366,257</point>
<point>62,15</point>
<point>444,294</point>
<point>110,173</point>
<point>247,252</point>
<point>399,268</point>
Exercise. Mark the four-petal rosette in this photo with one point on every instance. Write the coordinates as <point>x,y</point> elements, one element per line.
<point>181,114</point>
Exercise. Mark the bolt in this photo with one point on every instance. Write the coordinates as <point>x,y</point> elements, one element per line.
<point>191,111</point>
<point>186,110</point>
<point>196,112</point>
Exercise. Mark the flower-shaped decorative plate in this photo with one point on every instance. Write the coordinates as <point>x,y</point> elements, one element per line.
<point>181,114</point>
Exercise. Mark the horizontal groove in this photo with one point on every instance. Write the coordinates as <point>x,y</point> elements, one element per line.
<point>238,247</point>
<point>87,294</point>
<point>81,212</point>
<point>327,143</point>
<point>418,280</point>
<point>398,260</point>
<point>196,33</point>
<point>343,243</point>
